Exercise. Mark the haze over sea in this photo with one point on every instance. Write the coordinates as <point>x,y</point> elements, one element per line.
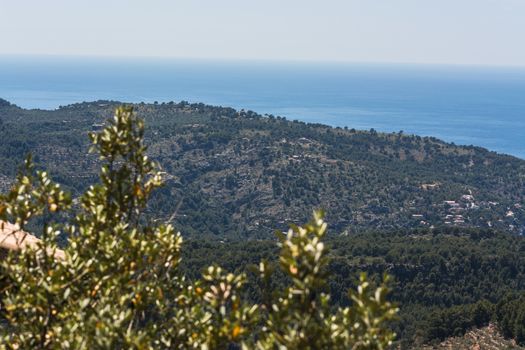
<point>482,106</point>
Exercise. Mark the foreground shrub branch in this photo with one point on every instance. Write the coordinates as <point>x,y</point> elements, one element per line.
<point>116,284</point>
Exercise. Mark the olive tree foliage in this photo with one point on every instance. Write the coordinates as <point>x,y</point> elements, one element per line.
<point>117,284</point>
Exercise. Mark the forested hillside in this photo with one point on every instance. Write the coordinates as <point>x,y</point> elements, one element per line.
<point>239,174</point>
<point>446,281</point>
<point>234,175</point>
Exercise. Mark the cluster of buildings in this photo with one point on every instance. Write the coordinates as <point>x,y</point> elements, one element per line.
<point>455,209</point>
<point>455,213</point>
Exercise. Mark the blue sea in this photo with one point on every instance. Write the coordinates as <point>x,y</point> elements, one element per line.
<point>483,106</point>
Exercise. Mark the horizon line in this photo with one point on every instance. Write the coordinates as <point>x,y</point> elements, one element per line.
<point>305,61</point>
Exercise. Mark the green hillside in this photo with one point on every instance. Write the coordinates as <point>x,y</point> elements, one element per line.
<point>440,219</point>
<point>236,173</point>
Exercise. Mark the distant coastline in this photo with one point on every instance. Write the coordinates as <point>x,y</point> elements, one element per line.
<point>480,106</point>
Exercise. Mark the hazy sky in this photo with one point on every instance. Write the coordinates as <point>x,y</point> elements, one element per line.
<point>424,31</point>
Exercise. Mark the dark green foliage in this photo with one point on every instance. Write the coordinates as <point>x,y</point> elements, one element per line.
<point>511,317</point>
<point>447,281</point>
<point>454,321</point>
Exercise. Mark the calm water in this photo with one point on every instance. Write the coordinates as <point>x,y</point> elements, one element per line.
<point>465,105</point>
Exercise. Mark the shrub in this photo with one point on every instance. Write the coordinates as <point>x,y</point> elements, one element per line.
<point>117,284</point>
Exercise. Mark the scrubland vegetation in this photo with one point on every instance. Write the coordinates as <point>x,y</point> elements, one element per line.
<point>129,280</point>
<point>119,286</point>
